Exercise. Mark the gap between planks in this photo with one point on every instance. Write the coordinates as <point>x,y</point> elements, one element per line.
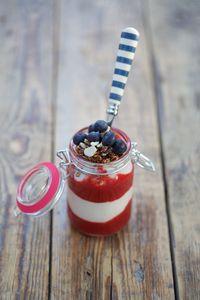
<point>55,64</point>
<point>159,109</point>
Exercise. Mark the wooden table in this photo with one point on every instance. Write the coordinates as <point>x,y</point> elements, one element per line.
<point>56,63</point>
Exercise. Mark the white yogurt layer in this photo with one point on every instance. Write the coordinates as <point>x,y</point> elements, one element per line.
<point>98,212</point>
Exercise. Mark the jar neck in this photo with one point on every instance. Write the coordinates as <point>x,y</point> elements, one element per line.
<point>113,167</point>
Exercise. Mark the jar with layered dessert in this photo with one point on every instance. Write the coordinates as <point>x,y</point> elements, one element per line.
<point>100,194</point>
<point>98,169</point>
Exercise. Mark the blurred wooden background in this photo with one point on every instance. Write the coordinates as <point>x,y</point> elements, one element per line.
<point>56,64</point>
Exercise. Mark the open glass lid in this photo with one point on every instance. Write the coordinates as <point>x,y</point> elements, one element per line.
<point>39,189</point>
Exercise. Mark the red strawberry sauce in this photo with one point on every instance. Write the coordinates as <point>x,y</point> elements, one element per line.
<point>101,188</point>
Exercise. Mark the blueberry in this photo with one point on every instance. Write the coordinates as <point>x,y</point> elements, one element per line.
<point>100,126</point>
<point>79,137</point>
<point>94,136</point>
<point>91,128</point>
<point>119,147</point>
<point>108,139</point>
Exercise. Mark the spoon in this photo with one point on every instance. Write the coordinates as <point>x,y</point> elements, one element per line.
<point>125,55</point>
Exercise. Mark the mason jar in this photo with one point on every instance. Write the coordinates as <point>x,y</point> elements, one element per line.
<point>99,195</point>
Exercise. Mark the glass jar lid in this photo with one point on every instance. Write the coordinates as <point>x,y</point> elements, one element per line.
<point>39,189</point>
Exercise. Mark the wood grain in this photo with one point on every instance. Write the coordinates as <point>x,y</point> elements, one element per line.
<point>25,120</point>
<point>136,263</point>
<point>81,266</point>
<point>177,69</point>
<point>141,256</point>
<point>56,61</point>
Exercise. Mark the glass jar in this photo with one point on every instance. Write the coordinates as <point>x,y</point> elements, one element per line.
<point>99,194</point>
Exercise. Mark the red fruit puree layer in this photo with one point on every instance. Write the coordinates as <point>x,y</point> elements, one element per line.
<point>107,228</point>
<point>102,188</point>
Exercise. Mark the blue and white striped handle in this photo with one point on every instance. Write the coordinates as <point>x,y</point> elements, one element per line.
<point>125,55</point>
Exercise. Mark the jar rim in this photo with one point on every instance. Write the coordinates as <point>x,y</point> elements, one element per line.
<point>110,167</point>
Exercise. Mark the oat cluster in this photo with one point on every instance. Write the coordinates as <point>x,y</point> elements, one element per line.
<point>104,154</point>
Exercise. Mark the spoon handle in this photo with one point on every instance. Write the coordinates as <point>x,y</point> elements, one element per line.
<point>125,55</point>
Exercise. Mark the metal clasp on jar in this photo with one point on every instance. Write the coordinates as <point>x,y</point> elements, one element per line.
<point>140,159</point>
<point>65,163</point>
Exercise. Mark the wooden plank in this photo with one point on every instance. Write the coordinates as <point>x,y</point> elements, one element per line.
<point>25,118</point>
<point>141,255</point>
<point>81,266</point>
<point>177,69</point>
<point>136,263</point>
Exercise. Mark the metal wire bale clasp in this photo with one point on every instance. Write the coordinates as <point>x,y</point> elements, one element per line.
<point>140,159</point>
<point>65,162</point>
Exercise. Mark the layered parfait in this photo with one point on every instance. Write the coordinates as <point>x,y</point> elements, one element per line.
<point>100,184</point>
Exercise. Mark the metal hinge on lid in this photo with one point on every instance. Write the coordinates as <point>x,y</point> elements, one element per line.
<point>140,159</point>
<point>64,156</point>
